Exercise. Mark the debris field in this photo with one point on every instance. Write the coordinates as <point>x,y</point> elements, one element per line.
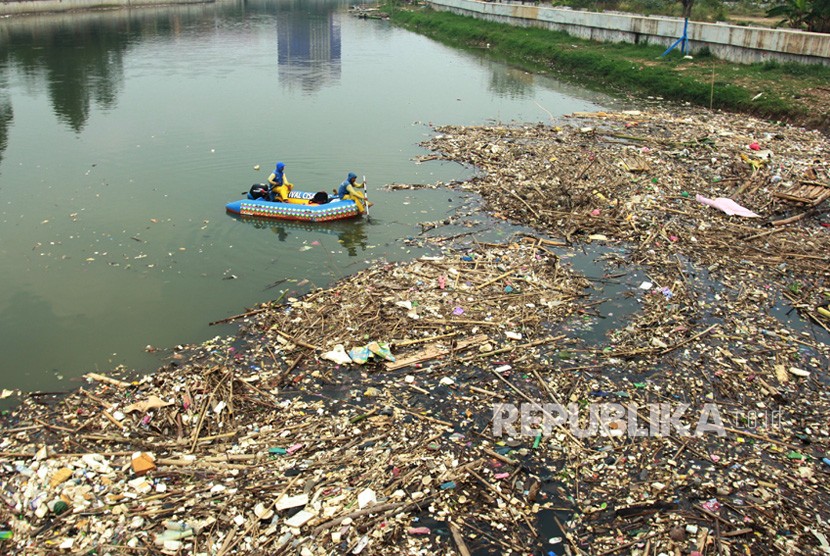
<point>458,403</point>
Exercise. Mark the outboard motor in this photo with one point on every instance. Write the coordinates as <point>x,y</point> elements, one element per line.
<point>258,191</point>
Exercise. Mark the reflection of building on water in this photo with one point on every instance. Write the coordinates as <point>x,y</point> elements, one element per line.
<point>308,46</point>
<point>351,234</point>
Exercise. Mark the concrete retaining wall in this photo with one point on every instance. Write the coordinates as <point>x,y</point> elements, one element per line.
<point>23,7</point>
<point>728,42</point>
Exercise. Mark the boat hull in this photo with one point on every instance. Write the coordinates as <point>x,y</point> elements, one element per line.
<point>260,208</point>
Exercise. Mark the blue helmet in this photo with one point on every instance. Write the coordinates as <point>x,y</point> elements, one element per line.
<point>280,166</point>
<point>352,176</point>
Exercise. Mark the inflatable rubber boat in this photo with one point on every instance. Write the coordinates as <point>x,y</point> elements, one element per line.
<point>299,206</point>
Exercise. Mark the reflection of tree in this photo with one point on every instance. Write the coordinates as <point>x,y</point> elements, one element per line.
<point>82,64</point>
<point>81,56</point>
<point>6,116</point>
<point>78,76</point>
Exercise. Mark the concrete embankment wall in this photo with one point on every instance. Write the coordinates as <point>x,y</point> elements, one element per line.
<point>728,42</point>
<point>24,7</point>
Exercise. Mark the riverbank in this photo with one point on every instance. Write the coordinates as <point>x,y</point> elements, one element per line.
<point>786,92</point>
<point>276,440</point>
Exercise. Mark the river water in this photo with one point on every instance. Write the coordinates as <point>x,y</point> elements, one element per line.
<point>123,134</point>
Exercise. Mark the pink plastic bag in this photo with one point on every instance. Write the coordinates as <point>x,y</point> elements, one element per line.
<point>728,206</point>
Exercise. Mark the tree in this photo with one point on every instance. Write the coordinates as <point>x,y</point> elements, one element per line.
<point>808,15</point>
<point>795,13</point>
<point>687,8</point>
<point>821,16</point>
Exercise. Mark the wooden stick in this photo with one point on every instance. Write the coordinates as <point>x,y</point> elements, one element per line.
<point>96,399</point>
<point>21,429</point>
<point>813,182</point>
<point>230,538</point>
<point>23,455</point>
<point>760,437</point>
<point>294,340</point>
<point>113,420</point>
<point>377,508</point>
<point>53,427</point>
<point>459,540</point>
<point>499,457</point>
<point>496,279</point>
<point>285,490</point>
<point>108,380</point>
<point>737,532</point>
<point>241,316</point>
<point>762,234</point>
<point>434,351</point>
<point>403,343</point>
<point>459,321</point>
<point>427,418</point>
<point>569,537</point>
<point>501,495</point>
<point>544,241</point>
<point>202,414</point>
<point>688,340</point>
<point>519,346</point>
<point>218,436</point>
<point>822,258</point>
<point>486,392</point>
<point>490,487</point>
<point>283,375</point>
<point>790,220</point>
<point>814,210</point>
<point>530,208</point>
<point>821,198</point>
<point>418,389</point>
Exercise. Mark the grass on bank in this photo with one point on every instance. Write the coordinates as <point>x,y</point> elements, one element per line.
<point>702,10</point>
<point>769,90</point>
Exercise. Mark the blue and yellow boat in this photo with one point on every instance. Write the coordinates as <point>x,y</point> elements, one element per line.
<point>299,206</point>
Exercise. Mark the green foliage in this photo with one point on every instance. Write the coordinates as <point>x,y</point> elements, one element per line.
<point>713,9</point>
<point>795,13</point>
<point>702,10</point>
<point>821,16</point>
<point>704,53</point>
<point>808,15</point>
